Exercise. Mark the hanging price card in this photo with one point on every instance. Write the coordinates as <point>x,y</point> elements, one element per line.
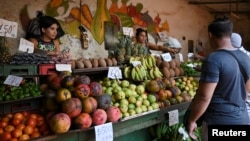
<point>104,132</point>
<point>13,80</point>
<point>166,57</point>
<point>63,67</point>
<point>8,28</point>
<point>127,31</point>
<point>136,63</point>
<point>114,73</point>
<point>173,117</point>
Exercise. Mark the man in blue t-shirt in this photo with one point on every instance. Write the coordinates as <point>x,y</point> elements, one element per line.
<point>221,94</point>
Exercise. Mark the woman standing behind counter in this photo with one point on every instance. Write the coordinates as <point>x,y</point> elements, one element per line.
<point>141,38</point>
<point>47,42</point>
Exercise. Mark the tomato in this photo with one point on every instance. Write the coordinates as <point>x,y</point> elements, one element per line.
<point>18,116</point>
<point>31,122</point>
<point>34,116</point>
<point>24,137</point>
<point>3,124</point>
<point>20,126</point>
<point>40,118</point>
<point>9,128</point>
<point>35,135</point>
<point>15,121</point>
<point>5,119</point>
<point>1,131</point>
<point>16,133</point>
<point>13,139</point>
<point>40,123</point>
<point>5,136</point>
<point>10,116</point>
<point>25,114</point>
<point>28,130</point>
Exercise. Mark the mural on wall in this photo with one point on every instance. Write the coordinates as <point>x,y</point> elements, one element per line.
<point>75,13</point>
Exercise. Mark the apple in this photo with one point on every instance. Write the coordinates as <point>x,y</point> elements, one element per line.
<point>146,102</point>
<point>123,108</point>
<point>131,112</point>
<point>144,108</point>
<point>132,99</point>
<point>138,103</point>
<point>138,110</point>
<point>144,96</point>
<point>119,95</point>
<point>124,83</point>
<point>151,98</point>
<point>139,98</point>
<point>131,106</point>
<point>150,108</point>
<point>140,89</point>
<point>132,87</point>
<point>128,92</point>
<point>124,101</point>
<point>155,106</point>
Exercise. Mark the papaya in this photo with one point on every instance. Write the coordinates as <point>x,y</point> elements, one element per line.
<point>101,15</point>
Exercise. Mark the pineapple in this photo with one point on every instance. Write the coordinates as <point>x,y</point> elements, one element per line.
<point>4,53</point>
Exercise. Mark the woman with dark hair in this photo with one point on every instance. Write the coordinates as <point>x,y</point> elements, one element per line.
<point>47,42</point>
<point>141,38</point>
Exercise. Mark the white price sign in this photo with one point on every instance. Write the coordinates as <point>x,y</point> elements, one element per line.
<point>13,80</point>
<point>136,63</point>
<point>114,73</point>
<point>173,117</point>
<point>63,67</point>
<point>104,132</point>
<point>181,57</point>
<point>26,46</point>
<point>8,28</point>
<point>128,31</point>
<point>166,57</point>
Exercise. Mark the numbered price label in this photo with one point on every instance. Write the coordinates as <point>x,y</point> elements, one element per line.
<point>173,117</point>
<point>128,31</point>
<point>166,57</point>
<point>104,132</point>
<point>8,28</point>
<point>136,63</point>
<point>114,73</point>
<point>13,80</point>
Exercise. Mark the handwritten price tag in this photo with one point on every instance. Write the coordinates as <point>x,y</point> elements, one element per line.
<point>128,31</point>
<point>136,63</point>
<point>173,117</point>
<point>166,57</point>
<point>8,28</point>
<point>114,73</point>
<point>13,80</point>
<point>104,132</point>
<point>26,46</point>
<point>63,67</point>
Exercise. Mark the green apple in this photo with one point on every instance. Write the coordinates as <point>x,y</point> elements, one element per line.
<point>134,93</point>
<point>125,115</point>
<point>131,112</point>
<point>151,98</point>
<point>119,95</point>
<point>155,106</point>
<point>131,106</point>
<point>109,91</point>
<point>132,87</point>
<point>128,92</point>
<point>139,98</point>
<point>140,89</point>
<point>150,108</point>
<point>138,103</point>
<point>132,99</point>
<point>106,83</point>
<point>124,101</point>
<point>144,96</point>
<point>138,110</point>
<point>117,104</point>
<point>144,108</point>
<point>124,83</point>
<point>123,108</point>
<point>146,102</point>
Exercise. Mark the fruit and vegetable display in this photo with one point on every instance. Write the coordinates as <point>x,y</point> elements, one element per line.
<point>191,68</point>
<point>27,89</point>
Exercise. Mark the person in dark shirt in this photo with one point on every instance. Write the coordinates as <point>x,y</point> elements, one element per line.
<point>47,43</point>
<point>221,94</point>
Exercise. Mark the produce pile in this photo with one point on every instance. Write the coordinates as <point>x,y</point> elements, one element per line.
<point>93,63</point>
<point>29,58</point>
<point>25,90</point>
<point>23,126</point>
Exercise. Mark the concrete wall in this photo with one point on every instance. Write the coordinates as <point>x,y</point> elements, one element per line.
<point>186,22</point>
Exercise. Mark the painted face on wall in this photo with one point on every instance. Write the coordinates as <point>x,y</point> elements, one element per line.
<point>50,32</point>
<point>142,37</point>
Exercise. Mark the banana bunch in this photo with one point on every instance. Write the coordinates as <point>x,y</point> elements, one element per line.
<point>138,73</point>
<point>148,62</point>
<point>127,72</point>
<point>155,73</point>
<point>134,58</point>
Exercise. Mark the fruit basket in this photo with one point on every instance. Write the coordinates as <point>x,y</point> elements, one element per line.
<point>46,69</point>
<point>21,70</point>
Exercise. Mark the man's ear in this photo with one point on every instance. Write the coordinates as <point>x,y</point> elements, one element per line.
<point>210,35</point>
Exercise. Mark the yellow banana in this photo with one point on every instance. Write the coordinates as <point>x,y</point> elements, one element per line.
<point>151,74</point>
<point>157,73</point>
<point>126,72</point>
<point>153,60</point>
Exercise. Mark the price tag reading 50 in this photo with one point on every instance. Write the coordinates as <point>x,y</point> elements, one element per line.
<point>104,132</point>
<point>115,73</point>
